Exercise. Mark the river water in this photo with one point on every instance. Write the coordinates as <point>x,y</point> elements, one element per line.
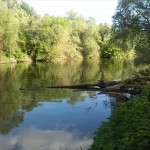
<point>37,118</point>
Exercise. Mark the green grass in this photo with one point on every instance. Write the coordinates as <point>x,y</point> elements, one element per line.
<point>128,128</point>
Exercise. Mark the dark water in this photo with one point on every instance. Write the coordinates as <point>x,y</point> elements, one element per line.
<point>37,118</point>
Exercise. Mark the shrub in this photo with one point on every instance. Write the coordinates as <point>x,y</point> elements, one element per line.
<point>112,52</point>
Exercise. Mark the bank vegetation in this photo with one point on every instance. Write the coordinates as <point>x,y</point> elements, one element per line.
<point>27,36</point>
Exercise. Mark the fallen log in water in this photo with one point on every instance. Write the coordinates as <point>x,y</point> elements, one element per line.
<point>77,86</point>
<point>132,86</point>
<point>130,90</point>
<point>139,77</point>
<point>99,85</point>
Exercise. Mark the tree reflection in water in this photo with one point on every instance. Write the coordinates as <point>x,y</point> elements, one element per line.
<point>34,77</point>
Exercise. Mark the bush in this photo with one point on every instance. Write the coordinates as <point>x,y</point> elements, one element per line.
<point>91,48</point>
<point>112,52</point>
<point>21,57</point>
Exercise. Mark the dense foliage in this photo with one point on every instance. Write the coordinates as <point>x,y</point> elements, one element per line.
<point>131,24</point>
<point>128,127</point>
<point>24,35</point>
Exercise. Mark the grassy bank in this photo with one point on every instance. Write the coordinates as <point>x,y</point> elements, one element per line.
<point>128,128</point>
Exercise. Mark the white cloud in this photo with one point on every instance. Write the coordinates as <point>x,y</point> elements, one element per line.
<point>36,139</point>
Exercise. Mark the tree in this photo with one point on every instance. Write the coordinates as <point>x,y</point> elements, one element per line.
<point>11,3</point>
<point>29,10</point>
<point>90,41</point>
<point>104,31</point>
<point>72,15</point>
<point>91,20</point>
<point>8,31</point>
<point>132,20</point>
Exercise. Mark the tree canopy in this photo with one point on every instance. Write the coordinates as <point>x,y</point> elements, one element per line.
<point>132,20</point>
<point>25,35</point>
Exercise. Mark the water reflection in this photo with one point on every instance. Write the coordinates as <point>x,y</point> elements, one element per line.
<point>58,125</point>
<point>52,114</point>
<point>36,139</point>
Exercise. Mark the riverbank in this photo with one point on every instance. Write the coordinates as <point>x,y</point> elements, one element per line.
<point>6,60</point>
<point>128,127</point>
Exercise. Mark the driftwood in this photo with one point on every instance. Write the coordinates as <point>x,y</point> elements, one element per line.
<point>114,88</point>
<point>99,85</point>
<point>77,86</point>
<point>140,77</point>
<point>132,86</point>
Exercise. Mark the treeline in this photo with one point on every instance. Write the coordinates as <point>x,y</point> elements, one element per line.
<point>25,35</point>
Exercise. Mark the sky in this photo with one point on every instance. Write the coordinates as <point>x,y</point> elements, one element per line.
<point>101,10</point>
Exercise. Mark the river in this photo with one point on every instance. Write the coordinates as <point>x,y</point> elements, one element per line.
<point>37,118</point>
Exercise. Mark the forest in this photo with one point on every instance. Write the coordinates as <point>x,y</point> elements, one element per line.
<point>27,36</point>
